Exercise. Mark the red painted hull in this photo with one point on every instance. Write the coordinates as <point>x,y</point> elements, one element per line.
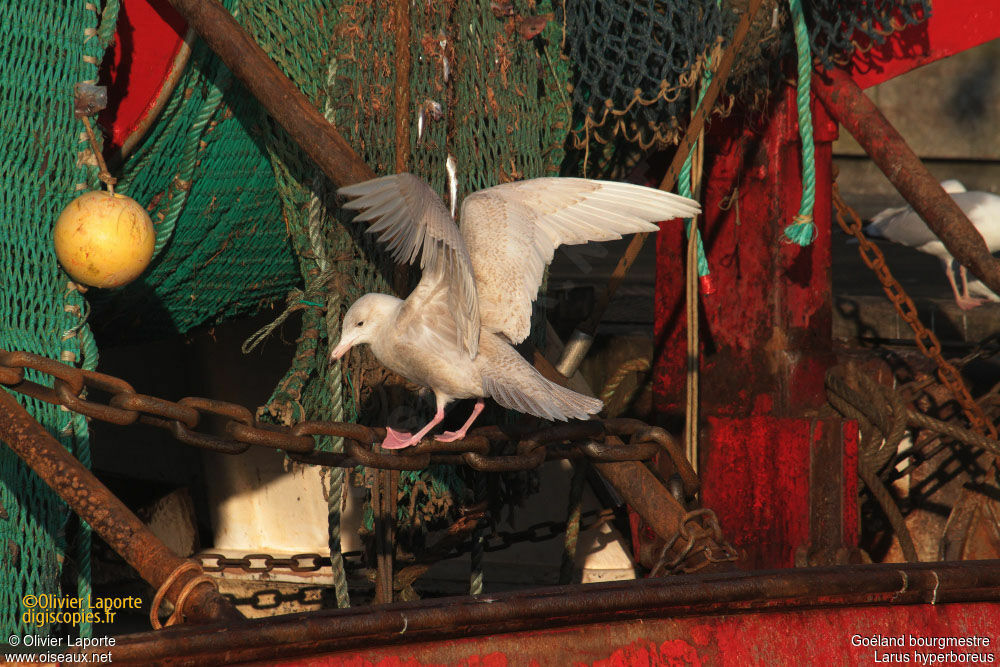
<point>791,617</point>
<point>814,637</point>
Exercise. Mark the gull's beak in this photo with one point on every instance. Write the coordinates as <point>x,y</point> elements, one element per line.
<point>342,347</point>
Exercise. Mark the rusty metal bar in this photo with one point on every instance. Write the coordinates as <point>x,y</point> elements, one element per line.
<point>402,102</point>
<point>589,326</point>
<point>107,515</point>
<point>657,507</point>
<point>435,620</point>
<point>401,96</point>
<point>851,108</point>
<point>648,497</point>
<point>276,92</point>
<point>384,489</point>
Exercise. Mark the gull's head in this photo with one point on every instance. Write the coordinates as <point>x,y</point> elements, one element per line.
<point>364,321</point>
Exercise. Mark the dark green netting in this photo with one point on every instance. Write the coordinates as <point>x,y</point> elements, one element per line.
<point>205,173</point>
<point>635,62</point>
<point>47,48</point>
<point>837,30</point>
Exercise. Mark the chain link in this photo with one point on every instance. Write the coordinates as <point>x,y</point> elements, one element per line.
<point>701,541</point>
<point>259,563</point>
<point>927,342</point>
<point>598,440</point>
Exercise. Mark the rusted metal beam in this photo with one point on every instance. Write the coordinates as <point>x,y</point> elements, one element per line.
<point>401,100</point>
<point>592,608</point>
<point>645,494</point>
<point>851,108</point>
<point>275,91</point>
<point>107,515</point>
<point>581,339</point>
<point>401,96</point>
<point>648,497</point>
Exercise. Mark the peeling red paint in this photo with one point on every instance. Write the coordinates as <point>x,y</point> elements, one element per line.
<point>671,653</point>
<point>820,636</point>
<point>493,659</point>
<point>766,331</point>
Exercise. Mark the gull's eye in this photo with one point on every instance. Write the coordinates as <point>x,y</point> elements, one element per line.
<point>360,323</point>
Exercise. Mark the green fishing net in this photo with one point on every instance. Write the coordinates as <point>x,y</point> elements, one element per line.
<point>47,48</point>
<point>635,63</point>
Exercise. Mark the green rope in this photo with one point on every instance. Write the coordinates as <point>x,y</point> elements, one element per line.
<point>802,230</point>
<point>350,383</point>
<point>336,479</point>
<point>684,187</point>
<point>77,342</point>
<point>181,185</point>
<point>109,21</point>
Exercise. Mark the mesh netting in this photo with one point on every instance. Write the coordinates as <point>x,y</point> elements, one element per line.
<point>47,48</point>
<point>839,30</point>
<point>635,63</point>
<point>205,174</point>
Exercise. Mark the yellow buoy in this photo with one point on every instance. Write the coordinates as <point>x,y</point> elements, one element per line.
<point>104,239</point>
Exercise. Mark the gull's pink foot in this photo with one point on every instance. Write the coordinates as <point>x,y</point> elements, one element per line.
<point>969,302</point>
<point>397,439</point>
<point>450,436</point>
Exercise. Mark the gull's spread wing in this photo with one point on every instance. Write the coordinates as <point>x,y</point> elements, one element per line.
<point>512,230</point>
<point>411,220</point>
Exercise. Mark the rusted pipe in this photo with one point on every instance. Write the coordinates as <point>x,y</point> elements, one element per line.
<point>315,633</point>
<point>276,92</point>
<point>107,515</point>
<point>637,486</point>
<point>583,337</point>
<point>851,108</point>
<point>401,100</point>
<point>648,497</point>
<point>401,96</point>
<point>644,493</point>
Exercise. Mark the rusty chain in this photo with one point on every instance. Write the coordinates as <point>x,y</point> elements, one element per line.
<point>927,342</point>
<point>609,440</point>
<point>258,563</point>
<point>703,544</point>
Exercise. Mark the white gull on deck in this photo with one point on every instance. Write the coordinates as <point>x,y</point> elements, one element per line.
<point>902,225</point>
<point>454,332</point>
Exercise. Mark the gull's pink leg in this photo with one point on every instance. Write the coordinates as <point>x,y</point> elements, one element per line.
<point>399,439</point>
<point>967,302</point>
<point>951,281</point>
<point>451,436</point>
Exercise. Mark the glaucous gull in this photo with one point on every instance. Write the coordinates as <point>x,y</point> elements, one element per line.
<point>902,225</point>
<point>454,332</point>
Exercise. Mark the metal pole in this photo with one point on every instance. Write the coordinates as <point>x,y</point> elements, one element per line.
<point>582,338</point>
<point>851,108</point>
<point>645,494</point>
<point>275,91</point>
<point>598,606</point>
<point>106,514</point>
